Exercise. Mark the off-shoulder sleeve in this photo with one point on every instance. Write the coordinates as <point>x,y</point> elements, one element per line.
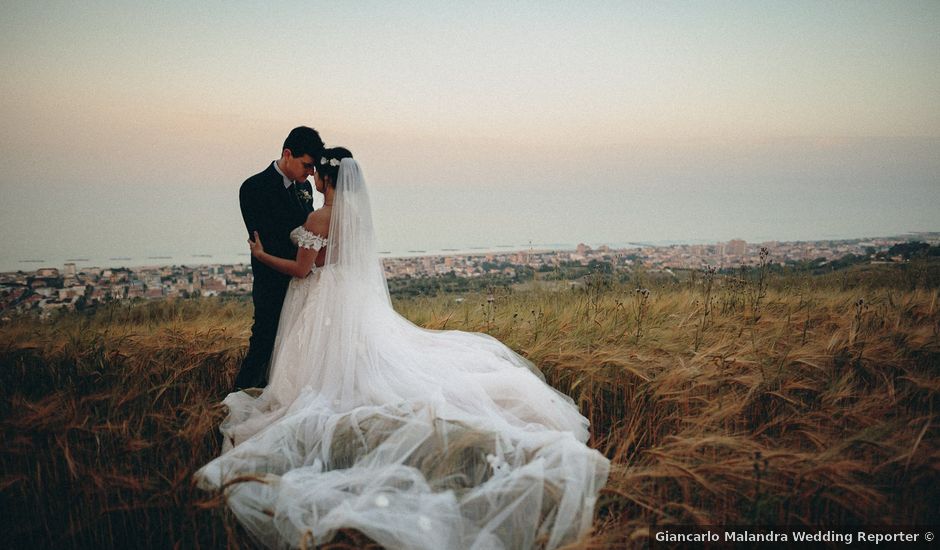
<point>306,239</point>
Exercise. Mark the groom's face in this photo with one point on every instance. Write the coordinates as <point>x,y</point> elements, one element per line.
<point>298,168</point>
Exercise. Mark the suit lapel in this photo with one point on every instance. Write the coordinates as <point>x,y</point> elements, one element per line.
<point>286,197</point>
<point>308,206</point>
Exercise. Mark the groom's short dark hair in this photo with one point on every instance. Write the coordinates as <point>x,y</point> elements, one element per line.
<point>303,140</point>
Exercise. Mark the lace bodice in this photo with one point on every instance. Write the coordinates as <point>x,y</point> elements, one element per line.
<point>305,239</point>
<point>372,423</point>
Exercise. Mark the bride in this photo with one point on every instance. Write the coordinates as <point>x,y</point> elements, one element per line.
<point>417,438</point>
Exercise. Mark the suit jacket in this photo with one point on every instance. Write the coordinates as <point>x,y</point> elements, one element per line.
<point>273,211</point>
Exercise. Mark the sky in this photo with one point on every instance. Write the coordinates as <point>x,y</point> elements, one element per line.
<point>127,127</point>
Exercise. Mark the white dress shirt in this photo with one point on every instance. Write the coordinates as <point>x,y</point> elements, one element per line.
<point>287,181</point>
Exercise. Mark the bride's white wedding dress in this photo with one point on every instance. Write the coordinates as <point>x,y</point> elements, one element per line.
<point>417,438</point>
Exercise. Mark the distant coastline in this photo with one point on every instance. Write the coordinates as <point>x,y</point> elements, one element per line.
<point>47,288</point>
<point>197,259</point>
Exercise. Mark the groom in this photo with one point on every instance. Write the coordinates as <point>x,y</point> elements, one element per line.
<point>273,203</point>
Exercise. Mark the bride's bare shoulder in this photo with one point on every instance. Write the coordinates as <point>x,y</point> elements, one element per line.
<point>318,222</point>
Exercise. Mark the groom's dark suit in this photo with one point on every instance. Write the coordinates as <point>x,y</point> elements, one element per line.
<point>273,211</point>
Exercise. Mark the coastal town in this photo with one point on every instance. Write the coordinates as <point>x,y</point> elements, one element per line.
<point>48,289</point>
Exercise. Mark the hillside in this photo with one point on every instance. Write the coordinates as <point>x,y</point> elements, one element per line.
<point>718,401</point>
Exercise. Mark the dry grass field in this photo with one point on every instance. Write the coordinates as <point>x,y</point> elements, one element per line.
<point>719,401</point>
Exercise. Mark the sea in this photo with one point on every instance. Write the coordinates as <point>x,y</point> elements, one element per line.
<point>146,226</point>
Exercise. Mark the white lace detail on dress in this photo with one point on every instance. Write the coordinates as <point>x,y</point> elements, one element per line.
<point>305,239</point>
<point>419,439</point>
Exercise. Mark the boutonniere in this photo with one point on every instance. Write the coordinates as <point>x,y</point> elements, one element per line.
<point>305,195</point>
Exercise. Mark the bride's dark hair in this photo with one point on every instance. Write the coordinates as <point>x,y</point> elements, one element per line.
<point>324,168</point>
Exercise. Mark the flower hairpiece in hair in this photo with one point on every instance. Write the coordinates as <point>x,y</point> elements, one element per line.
<point>331,162</point>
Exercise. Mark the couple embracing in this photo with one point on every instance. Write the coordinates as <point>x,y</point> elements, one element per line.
<point>417,438</point>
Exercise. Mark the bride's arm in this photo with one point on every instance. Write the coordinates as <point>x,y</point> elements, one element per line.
<point>298,267</point>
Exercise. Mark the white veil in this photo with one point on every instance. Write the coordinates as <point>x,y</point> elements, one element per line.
<point>420,439</point>
<point>351,247</point>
